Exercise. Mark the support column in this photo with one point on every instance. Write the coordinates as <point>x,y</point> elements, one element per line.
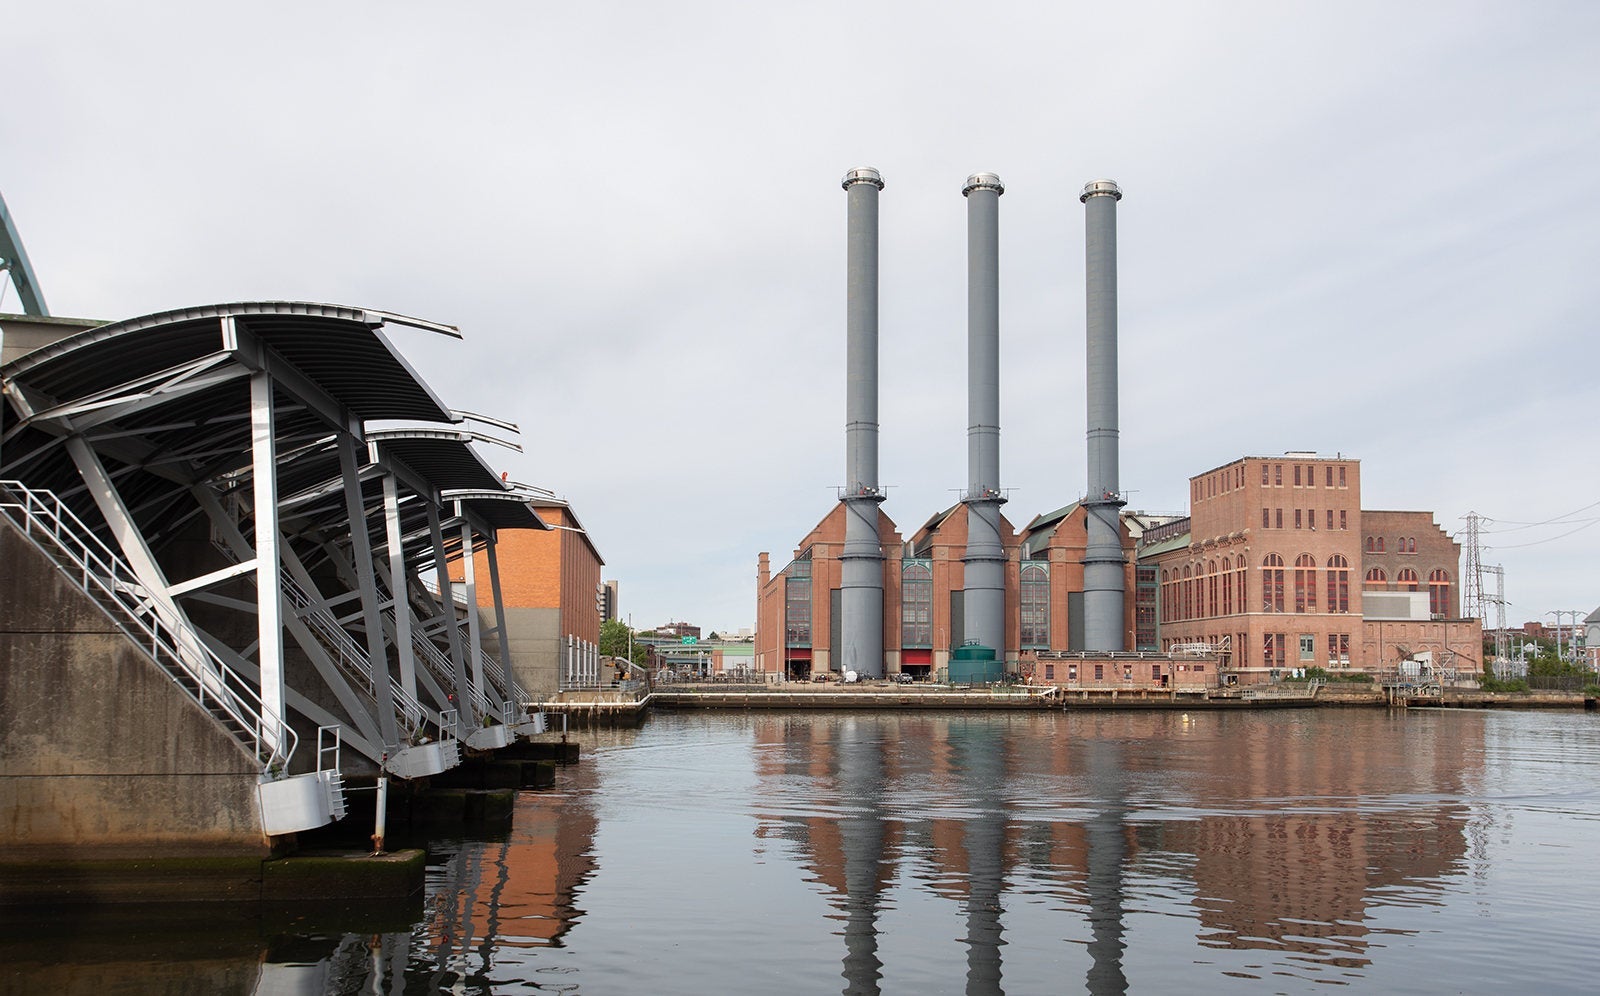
<point>269,571</point>
<point>501,636</point>
<point>361,552</point>
<point>1104,568</point>
<point>474,646</point>
<point>397,590</point>
<point>464,707</point>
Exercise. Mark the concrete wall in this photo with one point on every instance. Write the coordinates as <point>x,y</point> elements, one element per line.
<point>535,636</point>
<point>97,746</point>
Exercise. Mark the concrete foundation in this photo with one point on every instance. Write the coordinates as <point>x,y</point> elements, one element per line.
<point>98,747</point>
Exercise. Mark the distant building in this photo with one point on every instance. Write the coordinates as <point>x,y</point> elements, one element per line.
<point>608,602</point>
<point>549,580</point>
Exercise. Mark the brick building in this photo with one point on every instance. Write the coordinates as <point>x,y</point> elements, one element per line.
<point>549,580</point>
<point>1282,567</point>
<point>1276,567</point>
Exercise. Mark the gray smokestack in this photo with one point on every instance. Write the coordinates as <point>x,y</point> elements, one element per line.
<point>861,563</point>
<point>1103,585</point>
<point>984,602</point>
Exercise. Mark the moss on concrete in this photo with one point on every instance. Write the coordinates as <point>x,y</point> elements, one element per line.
<point>343,876</point>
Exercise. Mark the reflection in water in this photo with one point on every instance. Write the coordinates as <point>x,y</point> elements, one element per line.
<point>931,852</point>
<point>1105,852</point>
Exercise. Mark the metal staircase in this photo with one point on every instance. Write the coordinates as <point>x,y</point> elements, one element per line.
<point>351,658</point>
<point>288,802</point>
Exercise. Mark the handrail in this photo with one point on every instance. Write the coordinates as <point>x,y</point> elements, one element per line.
<point>445,672</point>
<point>79,554</point>
<point>350,656</point>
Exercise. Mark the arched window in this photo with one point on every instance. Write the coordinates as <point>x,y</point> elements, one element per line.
<point>916,604</point>
<point>1439,592</point>
<point>1380,544</point>
<point>1227,588</point>
<point>1305,583</point>
<point>1372,544</point>
<point>1338,584</point>
<point>1411,545</point>
<point>1377,579</point>
<point>1033,602</point>
<point>1272,583</point>
<point>1406,580</point>
<point>1188,594</point>
<point>1211,588</point>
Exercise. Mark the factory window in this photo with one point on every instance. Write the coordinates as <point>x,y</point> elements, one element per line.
<point>916,603</point>
<point>1238,573</point>
<point>797,606</point>
<point>1241,476</point>
<point>1033,600</point>
<point>1344,523</point>
<point>1211,585</point>
<point>1277,475</point>
<point>1144,608</point>
<point>1266,518</point>
<point>1406,580</point>
<point>1187,611</point>
<point>1371,544</point>
<point>1330,520</point>
<point>1329,469</point>
<point>1377,579</point>
<point>1439,592</point>
<point>1341,477</point>
<point>1099,672</point>
<point>1264,480</point>
<point>1277,518</point>
<point>1380,544</point>
<point>1297,518</point>
<point>1311,476</point>
<point>1297,475</point>
<point>1338,584</point>
<point>1338,648</point>
<point>1227,590</point>
<point>1272,648</point>
<point>1272,583</point>
<point>1305,583</point>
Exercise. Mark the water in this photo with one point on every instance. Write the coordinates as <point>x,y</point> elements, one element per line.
<point>1266,852</point>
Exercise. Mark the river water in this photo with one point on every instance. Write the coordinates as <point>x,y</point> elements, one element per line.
<point>1248,852</point>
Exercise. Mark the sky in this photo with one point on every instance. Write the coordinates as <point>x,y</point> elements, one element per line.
<point>1367,229</point>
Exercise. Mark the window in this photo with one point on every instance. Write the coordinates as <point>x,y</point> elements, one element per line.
<point>1372,544</point>
<point>1297,518</point>
<point>1272,583</point>
<point>1272,648</point>
<point>797,605</point>
<point>1186,592</point>
<point>1277,475</point>
<point>1305,583</point>
<point>1338,584</point>
<point>1277,518</point>
<point>1377,578</point>
<point>1308,647</point>
<point>1033,601</point>
<point>1344,523</point>
<point>1099,672</point>
<point>1341,477</point>
<point>1338,648</point>
<point>1380,544</point>
<point>1266,518</point>
<point>1211,586</point>
<point>916,603</point>
<point>1227,589</point>
<point>1406,580</point>
<point>1155,672</point>
<point>1263,475</point>
<point>1199,668</point>
<point>1049,672</point>
<point>1297,475</point>
<point>1329,469</point>
<point>1439,592</point>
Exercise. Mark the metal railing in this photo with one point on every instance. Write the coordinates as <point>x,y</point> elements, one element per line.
<point>349,656</point>
<point>111,583</point>
<point>444,672</point>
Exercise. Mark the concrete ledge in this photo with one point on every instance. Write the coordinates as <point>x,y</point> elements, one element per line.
<point>238,879</point>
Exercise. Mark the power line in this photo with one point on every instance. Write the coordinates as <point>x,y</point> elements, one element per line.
<point>1519,546</point>
<point>1562,519</point>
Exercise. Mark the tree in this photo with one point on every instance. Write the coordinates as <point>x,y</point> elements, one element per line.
<point>614,638</point>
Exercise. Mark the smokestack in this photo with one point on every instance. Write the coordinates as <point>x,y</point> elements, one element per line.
<point>984,601</point>
<point>861,563</point>
<point>1103,567</point>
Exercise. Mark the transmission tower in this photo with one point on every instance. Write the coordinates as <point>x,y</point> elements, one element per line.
<point>1472,575</point>
<point>1502,639</point>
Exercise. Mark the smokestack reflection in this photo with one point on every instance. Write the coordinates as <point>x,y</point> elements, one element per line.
<point>979,751</point>
<point>1107,847</point>
<point>861,785</point>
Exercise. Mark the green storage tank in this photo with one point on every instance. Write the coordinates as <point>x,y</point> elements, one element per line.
<point>975,664</point>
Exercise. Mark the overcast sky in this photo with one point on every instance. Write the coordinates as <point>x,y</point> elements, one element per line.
<point>1370,229</point>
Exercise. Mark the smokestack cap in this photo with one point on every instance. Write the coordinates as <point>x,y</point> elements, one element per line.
<point>865,174</point>
<point>983,181</point>
<point>1096,188</point>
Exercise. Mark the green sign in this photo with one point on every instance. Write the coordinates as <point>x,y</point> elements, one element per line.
<point>688,639</point>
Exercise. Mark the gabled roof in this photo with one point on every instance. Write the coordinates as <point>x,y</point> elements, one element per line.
<point>1179,542</point>
<point>1043,527</point>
